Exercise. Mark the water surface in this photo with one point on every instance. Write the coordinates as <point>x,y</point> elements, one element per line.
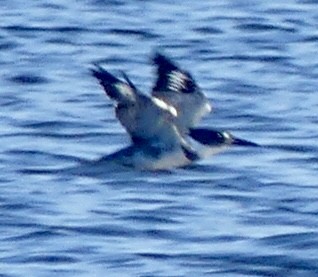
<point>246,212</point>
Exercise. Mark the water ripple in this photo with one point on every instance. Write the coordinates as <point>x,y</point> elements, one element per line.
<point>262,27</point>
<point>25,79</point>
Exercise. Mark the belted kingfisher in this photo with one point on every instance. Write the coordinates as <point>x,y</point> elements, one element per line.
<point>162,126</point>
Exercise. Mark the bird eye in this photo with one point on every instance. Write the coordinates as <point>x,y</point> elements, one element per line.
<point>226,135</point>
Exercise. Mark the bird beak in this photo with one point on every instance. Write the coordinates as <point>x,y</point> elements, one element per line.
<point>243,142</point>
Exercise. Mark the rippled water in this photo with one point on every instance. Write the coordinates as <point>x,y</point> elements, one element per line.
<point>246,212</point>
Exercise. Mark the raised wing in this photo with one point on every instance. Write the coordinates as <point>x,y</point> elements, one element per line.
<point>148,120</point>
<point>121,92</point>
<point>179,89</point>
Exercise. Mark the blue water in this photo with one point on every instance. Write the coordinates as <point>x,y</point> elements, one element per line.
<point>245,212</point>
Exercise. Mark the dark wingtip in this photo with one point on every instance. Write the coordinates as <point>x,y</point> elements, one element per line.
<point>163,62</point>
<point>106,80</point>
<point>103,76</point>
<point>165,66</point>
<point>96,69</point>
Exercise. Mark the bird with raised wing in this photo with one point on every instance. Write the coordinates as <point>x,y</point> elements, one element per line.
<point>163,127</point>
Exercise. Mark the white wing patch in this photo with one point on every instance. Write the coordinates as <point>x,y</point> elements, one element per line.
<point>207,108</point>
<point>177,81</point>
<point>163,105</point>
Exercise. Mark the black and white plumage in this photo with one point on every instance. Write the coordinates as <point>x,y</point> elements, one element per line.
<point>150,123</point>
<point>178,88</point>
<point>162,126</point>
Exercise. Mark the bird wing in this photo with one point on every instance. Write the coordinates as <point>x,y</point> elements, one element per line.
<point>149,121</point>
<point>178,88</point>
<point>121,92</point>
